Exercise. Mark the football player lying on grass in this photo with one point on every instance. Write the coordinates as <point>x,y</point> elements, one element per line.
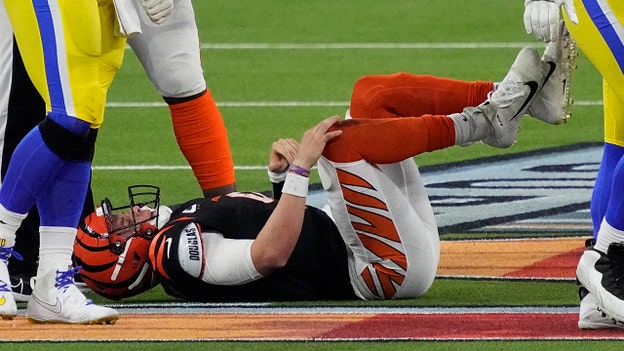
<point>379,239</point>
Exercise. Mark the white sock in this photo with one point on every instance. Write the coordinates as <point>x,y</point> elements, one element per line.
<point>55,249</point>
<point>470,125</point>
<point>607,235</point>
<point>9,223</point>
<point>462,129</point>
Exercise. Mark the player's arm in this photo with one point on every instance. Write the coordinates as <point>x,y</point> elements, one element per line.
<point>282,154</point>
<point>276,241</point>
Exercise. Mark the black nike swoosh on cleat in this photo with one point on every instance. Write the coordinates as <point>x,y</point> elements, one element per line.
<point>551,70</point>
<point>533,86</point>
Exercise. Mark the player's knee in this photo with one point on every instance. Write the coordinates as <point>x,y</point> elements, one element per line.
<point>360,96</point>
<point>65,144</point>
<point>179,83</point>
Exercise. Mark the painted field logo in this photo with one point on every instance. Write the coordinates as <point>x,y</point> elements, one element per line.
<point>515,192</point>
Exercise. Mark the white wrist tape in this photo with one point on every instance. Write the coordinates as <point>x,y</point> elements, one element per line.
<point>296,185</point>
<point>276,177</point>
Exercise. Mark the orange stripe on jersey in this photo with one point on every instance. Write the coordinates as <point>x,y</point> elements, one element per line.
<point>363,199</point>
<point>383,251</point>
<point>386,278</point>
<point>368,280</point>
<point>375,224</point>
<point>152,248</point>
<point>157,252</point>
<point>348,178</point>
<point>185,218</point>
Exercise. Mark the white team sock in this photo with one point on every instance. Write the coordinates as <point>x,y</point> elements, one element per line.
<point>9,223</point>
<point>470,125</point>
<point>55,249</point>
<point>607,235</point>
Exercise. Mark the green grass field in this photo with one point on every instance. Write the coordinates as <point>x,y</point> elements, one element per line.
<point>253,85</point>
<point>288,84</point>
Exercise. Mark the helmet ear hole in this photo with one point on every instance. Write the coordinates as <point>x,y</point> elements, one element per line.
<point>117,244</point>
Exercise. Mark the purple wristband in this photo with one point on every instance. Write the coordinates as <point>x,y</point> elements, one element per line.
<point>299,170</point>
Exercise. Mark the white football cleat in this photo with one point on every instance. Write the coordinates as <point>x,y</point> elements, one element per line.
<point>552,103</point>
<point>590,315</point>
<point>8,308</point>
<point>512,97</point>
<point>601,274</point>
<point>56,299</point>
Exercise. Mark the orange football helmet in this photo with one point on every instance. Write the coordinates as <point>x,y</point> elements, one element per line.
<point>114,261</point>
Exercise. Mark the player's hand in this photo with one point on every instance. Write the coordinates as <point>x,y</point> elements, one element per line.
<point>313,142</point>
<point>282,154</point>
<point>541,17</point>
<point>158,10</point>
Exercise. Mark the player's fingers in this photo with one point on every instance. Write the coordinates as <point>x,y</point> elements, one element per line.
<point>330,135</point>
<point>292,143</point>
<point>325,124</point>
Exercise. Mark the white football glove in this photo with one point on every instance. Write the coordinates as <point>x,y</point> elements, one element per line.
<point>541,17</point>
<point>157,10</point>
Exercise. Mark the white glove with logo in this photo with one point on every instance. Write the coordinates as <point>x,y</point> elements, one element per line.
<point>541,17</point>
<point>157,10</point>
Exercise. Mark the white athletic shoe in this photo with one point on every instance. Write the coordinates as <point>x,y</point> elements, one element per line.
<point>590,315</point>
<point>552,102</point>
<point>55,299</point>
<point>512,98</point>
<point>8,308</point>
<point>601,274</point>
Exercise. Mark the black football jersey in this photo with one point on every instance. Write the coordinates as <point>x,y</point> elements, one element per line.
<point>316,270</point>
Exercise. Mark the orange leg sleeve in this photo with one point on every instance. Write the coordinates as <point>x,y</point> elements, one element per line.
<point>202,138</point>
<point>389,140</point>
<point>405,94</point>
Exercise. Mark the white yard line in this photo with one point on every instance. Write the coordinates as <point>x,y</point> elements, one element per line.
<point>234,104</point>
<point>367,46</point>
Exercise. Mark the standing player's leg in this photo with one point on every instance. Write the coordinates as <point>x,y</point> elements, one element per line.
<point>170,55</point>
<point>51,165</point>
<point>25,109</point>
<point>598,269</point>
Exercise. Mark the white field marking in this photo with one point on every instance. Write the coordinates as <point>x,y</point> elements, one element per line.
<point>165,168</point>
<point>224,308</point>
<point>240,104</point>
<point>375,46</point>
<point>366,46</point>
<point>286,104</point>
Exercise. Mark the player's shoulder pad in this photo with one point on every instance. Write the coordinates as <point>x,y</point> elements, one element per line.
<point>184,243</point>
